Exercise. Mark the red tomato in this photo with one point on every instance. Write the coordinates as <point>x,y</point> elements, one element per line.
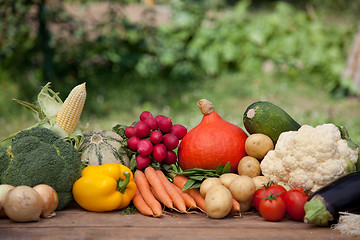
<point>265,191</point>
<point>294,201</point>
<point>272,208</point>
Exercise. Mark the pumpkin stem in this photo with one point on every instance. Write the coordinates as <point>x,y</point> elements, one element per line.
<point>206,107</point>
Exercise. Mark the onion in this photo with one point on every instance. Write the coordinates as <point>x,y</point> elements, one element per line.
<point>4,190</point>
<point>23,204</point>
<point>49,198</point>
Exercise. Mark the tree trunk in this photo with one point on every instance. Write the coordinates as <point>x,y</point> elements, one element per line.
<point>352,69</point>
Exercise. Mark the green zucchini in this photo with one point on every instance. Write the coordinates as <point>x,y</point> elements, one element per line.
<point>269,119</point>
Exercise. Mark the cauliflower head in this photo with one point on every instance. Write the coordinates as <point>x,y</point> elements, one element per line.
<point>310,157</point>
<point>39,156</point>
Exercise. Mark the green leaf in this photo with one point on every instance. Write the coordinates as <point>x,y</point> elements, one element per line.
<point>227,168</point>
<point>35,109</point>
<point>189,173</point>
<point>188,184</point>
<point>219,169</point>
<point>155,164</point>
<point>120,129</point>
<point>196,170</point>
<point>345,135</point>
<point>351,144</point>
<point>197,178</point>
<point>133,163</point>
<point>350,166</point>
<point>196,185</point>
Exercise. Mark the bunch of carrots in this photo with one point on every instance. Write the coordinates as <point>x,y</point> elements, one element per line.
<point>154,191</point>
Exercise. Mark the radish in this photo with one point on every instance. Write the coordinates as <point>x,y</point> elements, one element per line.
<point>179,131</point>
<point>142,161</point>
<point>171,141</point>
<point>156,137</point>
<point>159,117</point>
<point>170,158</point>
<point>133,142</point>
<point>145,147</point>
<point>165,124</point>
<point>130,131</point>
<point>142,130</point>
<point>152,123</point>
<point>144,115</point>
<point>159,153</point>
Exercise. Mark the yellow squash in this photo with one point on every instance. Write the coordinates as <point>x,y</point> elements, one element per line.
<point>104,187</point>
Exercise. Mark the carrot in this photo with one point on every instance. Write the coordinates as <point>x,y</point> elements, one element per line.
<point>141,205</point>
<point>154,193</point>
<point>144,188</point>
<point>189,201</point>
<point>180,181</point>
<point>158,187</point>
<point>235,206</point>
<point>200,200</point>
<point>176,198</point>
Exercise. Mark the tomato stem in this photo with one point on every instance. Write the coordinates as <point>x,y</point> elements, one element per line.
<point>272,196</point>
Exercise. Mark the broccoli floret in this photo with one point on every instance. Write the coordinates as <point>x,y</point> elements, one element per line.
<point>39,156</point>
<point>5,158</point>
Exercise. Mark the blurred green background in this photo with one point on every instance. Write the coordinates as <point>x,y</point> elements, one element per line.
<point>135,56</point>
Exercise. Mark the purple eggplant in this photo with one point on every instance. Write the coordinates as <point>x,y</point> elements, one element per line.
<point>341,195</point>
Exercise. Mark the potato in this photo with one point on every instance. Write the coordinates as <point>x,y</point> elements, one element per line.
<point>257,145</point>
<point>207,184</point>
<point>260,181</point>
<point>249,166</point>
<point>246,205</point>
<point>218,201</point>
<point>242,188</point>
<point>227,178</point>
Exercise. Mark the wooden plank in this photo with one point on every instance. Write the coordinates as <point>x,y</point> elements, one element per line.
<point>80,224</point>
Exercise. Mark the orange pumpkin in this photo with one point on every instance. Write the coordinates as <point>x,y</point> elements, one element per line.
<point>211,143</point>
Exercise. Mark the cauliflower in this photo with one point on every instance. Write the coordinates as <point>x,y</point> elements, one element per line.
<point>39,156</point>
<point>310,157</point>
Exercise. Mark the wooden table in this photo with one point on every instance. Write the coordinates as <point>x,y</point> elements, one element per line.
<point>76,223</point>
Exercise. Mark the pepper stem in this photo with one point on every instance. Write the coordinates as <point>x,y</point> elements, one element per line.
<point>122,183</point>
<point>206,107</point>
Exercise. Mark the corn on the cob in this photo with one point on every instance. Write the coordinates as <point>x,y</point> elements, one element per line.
<point>69,114</point>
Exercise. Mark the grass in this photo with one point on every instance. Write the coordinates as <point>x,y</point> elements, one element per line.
<point>231,94</point>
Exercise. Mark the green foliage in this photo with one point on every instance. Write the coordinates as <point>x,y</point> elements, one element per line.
<point>198,175</point>
<point>139,63</point>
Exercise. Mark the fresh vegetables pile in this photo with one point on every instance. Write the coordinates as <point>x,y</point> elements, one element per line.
<point>279,168</point>
<point>47,153</point>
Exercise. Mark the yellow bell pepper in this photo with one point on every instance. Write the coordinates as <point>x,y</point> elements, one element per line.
<point>104,187</point>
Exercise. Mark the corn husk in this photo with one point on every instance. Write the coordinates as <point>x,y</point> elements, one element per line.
<point>44,111</point>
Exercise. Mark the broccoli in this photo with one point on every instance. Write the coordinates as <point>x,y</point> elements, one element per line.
<point>39,156</point>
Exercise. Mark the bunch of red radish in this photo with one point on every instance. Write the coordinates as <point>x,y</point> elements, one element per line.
<point>154,138</point>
